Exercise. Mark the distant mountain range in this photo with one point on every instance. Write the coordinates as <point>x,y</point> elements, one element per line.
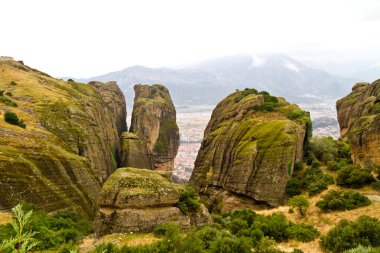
<point>210,81</point>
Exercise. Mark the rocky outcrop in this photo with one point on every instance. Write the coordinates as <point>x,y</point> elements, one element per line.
<point>135,153</point>
<point>154,120</point>
<point>138,200</point>
<point>250,146</point>
<point>70,144</point>
<point>359,121</point>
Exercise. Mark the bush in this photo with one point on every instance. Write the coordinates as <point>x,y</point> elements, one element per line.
<point>316,181</point>
<point>325,149</point>
<point>362,249</point>
<point>342,200</point>
<point>294,186</point>
<point>11,118</point>
<point>353,177</point>
<point>301,203</point>
<point>230,245</point>
<point>188,201</point>
<point>376,186</point>
<point>7,101</point>
<point>302,232</point>
<point>53,231</point>
<point>350,234</point>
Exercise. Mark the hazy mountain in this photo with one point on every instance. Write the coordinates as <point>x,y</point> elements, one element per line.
<point>210,81</point>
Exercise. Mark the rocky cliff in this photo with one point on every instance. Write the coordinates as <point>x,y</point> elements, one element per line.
<point>359,121</point>
<point>135,153</point>
<point>154,120</point>
<point>138,200</point>
<point>250,146</point>
<point>70,143</point>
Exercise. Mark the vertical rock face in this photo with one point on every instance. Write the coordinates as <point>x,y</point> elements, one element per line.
<point>70,144</point>
<point>134,152</point>
<point>359,121</point>
<point>154,120</point>
<point>138,200</point>
<point>250,151</point>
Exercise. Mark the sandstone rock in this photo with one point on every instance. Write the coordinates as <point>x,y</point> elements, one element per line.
<point>137,188</point>
<point>154,119</point>
<point>248,151</point>
<point>359,121</point>
<point>134,152</point>
<point>70,144</point>
<point>138,200</point>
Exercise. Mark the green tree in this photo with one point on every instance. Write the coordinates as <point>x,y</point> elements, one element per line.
<point>23,241</point>
<point>301,203</point>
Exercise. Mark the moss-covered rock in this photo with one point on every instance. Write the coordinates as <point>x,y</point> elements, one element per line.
<point>250,150</point>
<point>138,200</point>
<point>359,121</point>
<point>71,143</point>
<point>135,153</point>
<point>154,120</point>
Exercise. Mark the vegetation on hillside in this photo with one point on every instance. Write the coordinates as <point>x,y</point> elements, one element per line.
<point>346,234</point>
<point>50,231</point>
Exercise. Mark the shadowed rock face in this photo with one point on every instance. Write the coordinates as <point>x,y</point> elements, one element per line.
<point>248,151</point>
<point>134,152</point>
<point>138,200</point>
<point>70,144</point>
<point>154,120</point>
<point>359,121</point>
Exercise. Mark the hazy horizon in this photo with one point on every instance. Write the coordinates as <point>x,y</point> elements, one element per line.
<point>89,38</point>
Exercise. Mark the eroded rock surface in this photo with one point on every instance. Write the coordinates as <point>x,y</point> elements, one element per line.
<point>135,153</point>
<point>250,151</point>
<point>138,200</point>
<point>154,120</point>
<point>70,144</point>
<point>359,121</point>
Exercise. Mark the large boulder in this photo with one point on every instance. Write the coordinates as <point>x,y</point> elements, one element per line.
<point>250,147</point>
<point>70,144</point>
<point>359,121</point>
<point>154,120</point>
<point>138,200</point>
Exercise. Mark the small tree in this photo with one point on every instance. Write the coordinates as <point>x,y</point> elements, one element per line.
<point>301,203</point>
<point>23,241</point>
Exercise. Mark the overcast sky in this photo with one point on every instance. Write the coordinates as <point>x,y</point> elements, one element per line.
<point>83,38</point>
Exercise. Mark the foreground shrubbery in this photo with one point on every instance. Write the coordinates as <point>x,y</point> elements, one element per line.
<point>52,231</point>
<point>353,176</point>
<point>240,231</point>
<point>346,235</point>
<point>342,200</point>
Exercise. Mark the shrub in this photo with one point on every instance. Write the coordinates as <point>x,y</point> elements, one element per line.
<point>350,234</point>
<point>302,232</point>
<point>11,118</point>
<point>231,244</point>
<point>7,101</point>
<point>295,114</point>
<point>361,249</point>
<point>294,186</point>
<point>188,201</point>
<point>376,186</point>
<point>342,200</point>
<point>354,177</point>
<point>325,149</point>
<point>316,181</point>
<point>301,203</point>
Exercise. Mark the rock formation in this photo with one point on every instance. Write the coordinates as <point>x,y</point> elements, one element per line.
<point>135,153</point>
<point>70,144</point>
<point>138,200</point>
<point>250,146</point>
<point>359,121</point>
<point>154,120</point>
